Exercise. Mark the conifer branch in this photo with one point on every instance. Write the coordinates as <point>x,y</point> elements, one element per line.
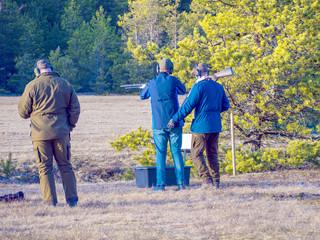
<point>2,9</point>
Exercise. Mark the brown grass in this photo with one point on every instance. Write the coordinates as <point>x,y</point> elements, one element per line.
<point>275,205</point>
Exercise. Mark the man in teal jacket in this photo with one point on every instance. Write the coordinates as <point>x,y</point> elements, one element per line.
<point>208,99</point>
<point>164,90</point>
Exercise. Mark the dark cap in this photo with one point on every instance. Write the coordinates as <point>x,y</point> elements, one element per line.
<point>43,64</point>
<point>165,64</point>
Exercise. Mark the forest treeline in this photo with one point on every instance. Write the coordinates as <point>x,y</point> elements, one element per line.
<point>272,45</point>
<point>85,40</point>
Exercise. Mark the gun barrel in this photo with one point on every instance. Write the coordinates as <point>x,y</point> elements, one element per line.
<point>131,86</point>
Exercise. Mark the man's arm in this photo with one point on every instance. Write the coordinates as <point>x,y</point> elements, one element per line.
<point>181,88</point>
<point>144,92</point>
<point>225,102</point>
<point>73,109</point>
<point>190,103</point>
<point>25,104</point>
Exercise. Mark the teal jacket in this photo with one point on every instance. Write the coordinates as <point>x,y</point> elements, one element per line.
<point>208,99</point>
<point>163,90</point>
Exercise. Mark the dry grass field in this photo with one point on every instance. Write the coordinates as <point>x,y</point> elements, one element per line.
<point>275,205</point>
<point>102,119</point>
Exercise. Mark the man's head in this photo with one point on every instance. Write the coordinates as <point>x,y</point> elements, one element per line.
<point>165,65</point>
<point>200,70</point>
<point>42,66</point>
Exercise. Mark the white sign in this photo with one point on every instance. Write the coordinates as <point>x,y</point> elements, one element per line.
<point>186,141</point>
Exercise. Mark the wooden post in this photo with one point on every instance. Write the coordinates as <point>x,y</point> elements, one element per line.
<point>184,155</point>
<point>233,144</point>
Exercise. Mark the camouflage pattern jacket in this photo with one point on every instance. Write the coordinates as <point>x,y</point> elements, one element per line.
<point>52,105</point>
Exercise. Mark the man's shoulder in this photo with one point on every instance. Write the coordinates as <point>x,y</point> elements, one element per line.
<point>33,82</point>
<point>175,78</point>
<point>53,75</point>
<point>203,83</point>
<point>48,79</point>
<point>208,82</point>
<point>208,86</point>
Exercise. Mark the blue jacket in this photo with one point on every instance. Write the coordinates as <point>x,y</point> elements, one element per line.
<point>209,99</point>
<point>163,90</point>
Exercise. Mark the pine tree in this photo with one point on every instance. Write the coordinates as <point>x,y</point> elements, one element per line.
<point>273,48</point>
<point>104,52</point>
<point>10,30</point>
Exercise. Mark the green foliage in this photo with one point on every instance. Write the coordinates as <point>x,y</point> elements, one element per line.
<point>93,51</point>
<point>276,69</point>
<point>127,175</point>
<point>297,154</point>
<point>141,146</point>
<point>300,152</point>
<point>66,68</point>
<point>80,36</point>
<point>4,92</point>
<point>18,81</point>
<point>72,18</point>
<point>272,47</point>
<point>7,167</point>
<point>105,50</point>
<point>10,47</point>
<point>149,27</point>
<point>257,161</point>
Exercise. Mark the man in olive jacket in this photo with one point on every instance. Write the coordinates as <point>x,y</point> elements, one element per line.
<point>53,107</point>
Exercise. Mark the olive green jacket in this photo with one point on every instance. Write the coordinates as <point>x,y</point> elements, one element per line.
<point>52,105</point>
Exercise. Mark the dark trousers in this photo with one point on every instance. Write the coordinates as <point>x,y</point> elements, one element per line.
<point>207,142</point>
<point>59,149</point>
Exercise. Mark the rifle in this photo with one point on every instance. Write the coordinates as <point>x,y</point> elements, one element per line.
<point>12,197</point>
<point>132,86</point>
<point>224,73</point>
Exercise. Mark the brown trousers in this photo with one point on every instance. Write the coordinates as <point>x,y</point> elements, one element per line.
<point>44,151</point>
<point>206,142</point>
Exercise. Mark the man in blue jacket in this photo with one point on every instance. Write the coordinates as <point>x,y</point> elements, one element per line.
<point>208,98</point>
<point>164,90</point>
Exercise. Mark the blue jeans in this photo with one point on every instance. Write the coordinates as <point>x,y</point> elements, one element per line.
<point>161,137</point>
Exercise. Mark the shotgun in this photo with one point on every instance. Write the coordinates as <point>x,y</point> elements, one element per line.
<point>133,86</point>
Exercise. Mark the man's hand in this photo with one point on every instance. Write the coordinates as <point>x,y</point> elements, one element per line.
<point>142,86</point>
<point>214,78</point>
<point>171,124</point>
